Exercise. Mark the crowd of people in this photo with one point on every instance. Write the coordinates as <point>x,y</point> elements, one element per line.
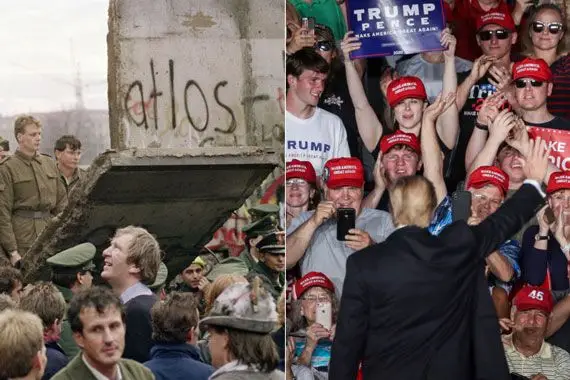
<point>466,119</point>
<point>121,319</point>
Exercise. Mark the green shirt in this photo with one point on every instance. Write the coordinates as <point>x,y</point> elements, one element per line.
<point>66,341</point>
<point>326,12</point>
<point>275,286</point>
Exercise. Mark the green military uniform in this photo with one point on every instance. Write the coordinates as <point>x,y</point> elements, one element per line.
<point>30,195</point>
<point>130,370</point>
<point>161,276</point>
<point>71,261</point>
<point>273,280</point>
<point>78,175</point>
<point>265,219</point>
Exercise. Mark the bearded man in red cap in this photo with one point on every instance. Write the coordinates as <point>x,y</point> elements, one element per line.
<point>525,348</point>
<point>312,237</point>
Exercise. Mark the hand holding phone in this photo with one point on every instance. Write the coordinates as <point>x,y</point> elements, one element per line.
<point>461,205</point>
<point>345,221</point>
<point>324,315</point>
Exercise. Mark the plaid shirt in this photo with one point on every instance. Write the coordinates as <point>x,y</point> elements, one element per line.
<point>443,216</point>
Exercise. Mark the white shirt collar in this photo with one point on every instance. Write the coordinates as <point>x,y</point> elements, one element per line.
<point>135,290</point>
<point>98,375</point>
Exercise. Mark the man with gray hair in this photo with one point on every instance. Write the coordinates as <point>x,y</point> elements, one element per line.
<point>239,324</point>
<point>131,263</point>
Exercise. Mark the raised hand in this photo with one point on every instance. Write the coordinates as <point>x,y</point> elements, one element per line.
<point>518,138</point>
<point>502,125</point>
<point>449,42</point>
<point>500,77</point>
<point>379,173</point>
<point>300,39</point>
<point>490,108</point>
<point>481,65</point>
<point>349,44</point>
<point>438,107</point>
<point>325,210</point>
<point>536,160</point>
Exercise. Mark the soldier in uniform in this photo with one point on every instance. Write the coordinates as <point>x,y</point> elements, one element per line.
<point>265,219</point>
<point>30,190</point>
<point>239,326</point>
<point>71,272</point>
<point>67,151</point>
<point>271,265</point>
<point>4,147</point>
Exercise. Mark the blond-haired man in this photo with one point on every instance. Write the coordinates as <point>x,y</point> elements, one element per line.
<point>31,192</point>
<point>130,264</point>
<point>415,300</point>
<point>22,350</point>
<point>45,300</point>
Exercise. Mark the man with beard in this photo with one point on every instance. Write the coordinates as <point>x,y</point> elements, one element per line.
<point>526,351</point>
<point>400,156</point>
<point>271,265</point>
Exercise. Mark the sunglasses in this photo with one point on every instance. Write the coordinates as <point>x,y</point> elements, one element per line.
<point>553,27</point>
<point>501,34</point>
<point>324,45</point>
<point>521,83</point>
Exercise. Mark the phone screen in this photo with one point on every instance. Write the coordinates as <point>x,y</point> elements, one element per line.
<point>345,221</point>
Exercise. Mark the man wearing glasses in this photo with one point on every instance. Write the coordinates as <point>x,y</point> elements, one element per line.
<point>533,84</point>
<point>491,72</point>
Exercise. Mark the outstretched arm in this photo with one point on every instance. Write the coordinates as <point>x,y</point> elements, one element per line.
<point>369,126</point>
<point>448,123</point>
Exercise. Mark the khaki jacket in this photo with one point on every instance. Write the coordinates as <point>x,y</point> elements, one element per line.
<point>77,177</point>
<point>77,370</point>
<point>27,184</point>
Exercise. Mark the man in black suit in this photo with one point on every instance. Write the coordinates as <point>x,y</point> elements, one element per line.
<point>417,306</point>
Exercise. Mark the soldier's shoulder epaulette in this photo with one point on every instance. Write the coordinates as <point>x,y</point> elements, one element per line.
<point>47,155</point>
<point>5,159</point>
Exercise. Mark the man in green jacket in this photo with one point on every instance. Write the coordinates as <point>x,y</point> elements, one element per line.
<point>265,219</point>
<point>271,265</point>
<point>97,320</point>
<point>71,272</point>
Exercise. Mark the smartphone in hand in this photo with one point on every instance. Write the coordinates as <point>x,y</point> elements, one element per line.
<point>461,205</point>
<point>549,216</point>
<point>324,315</point>
<point>345,221</point>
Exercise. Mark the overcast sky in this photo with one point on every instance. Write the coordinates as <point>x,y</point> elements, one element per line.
<point>37,71</point>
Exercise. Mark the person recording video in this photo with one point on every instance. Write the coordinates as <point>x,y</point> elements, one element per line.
<point>312,237</point>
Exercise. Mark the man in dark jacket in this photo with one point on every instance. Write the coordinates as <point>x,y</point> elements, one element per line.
<point>174,355</point>
<point>131,263</point>
<point>45,300</point>
<point>417,306</point>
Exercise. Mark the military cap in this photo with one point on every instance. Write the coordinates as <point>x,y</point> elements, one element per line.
<point>77,258</point>
<point>246,307</point>
<point>263,226</point>
<point>160,277</point>
<point>273,243</point>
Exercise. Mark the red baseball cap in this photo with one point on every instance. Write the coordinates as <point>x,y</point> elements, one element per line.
<point>344,171</point>
<point>534,68</point>
<point>488,175</point>
<point>309,281</point>
<point>500,18</point>
<point>405,87</point>
<point>400,138</point>
<point>533,297</point>
<point>301,169</point>
<point>558,181</point>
